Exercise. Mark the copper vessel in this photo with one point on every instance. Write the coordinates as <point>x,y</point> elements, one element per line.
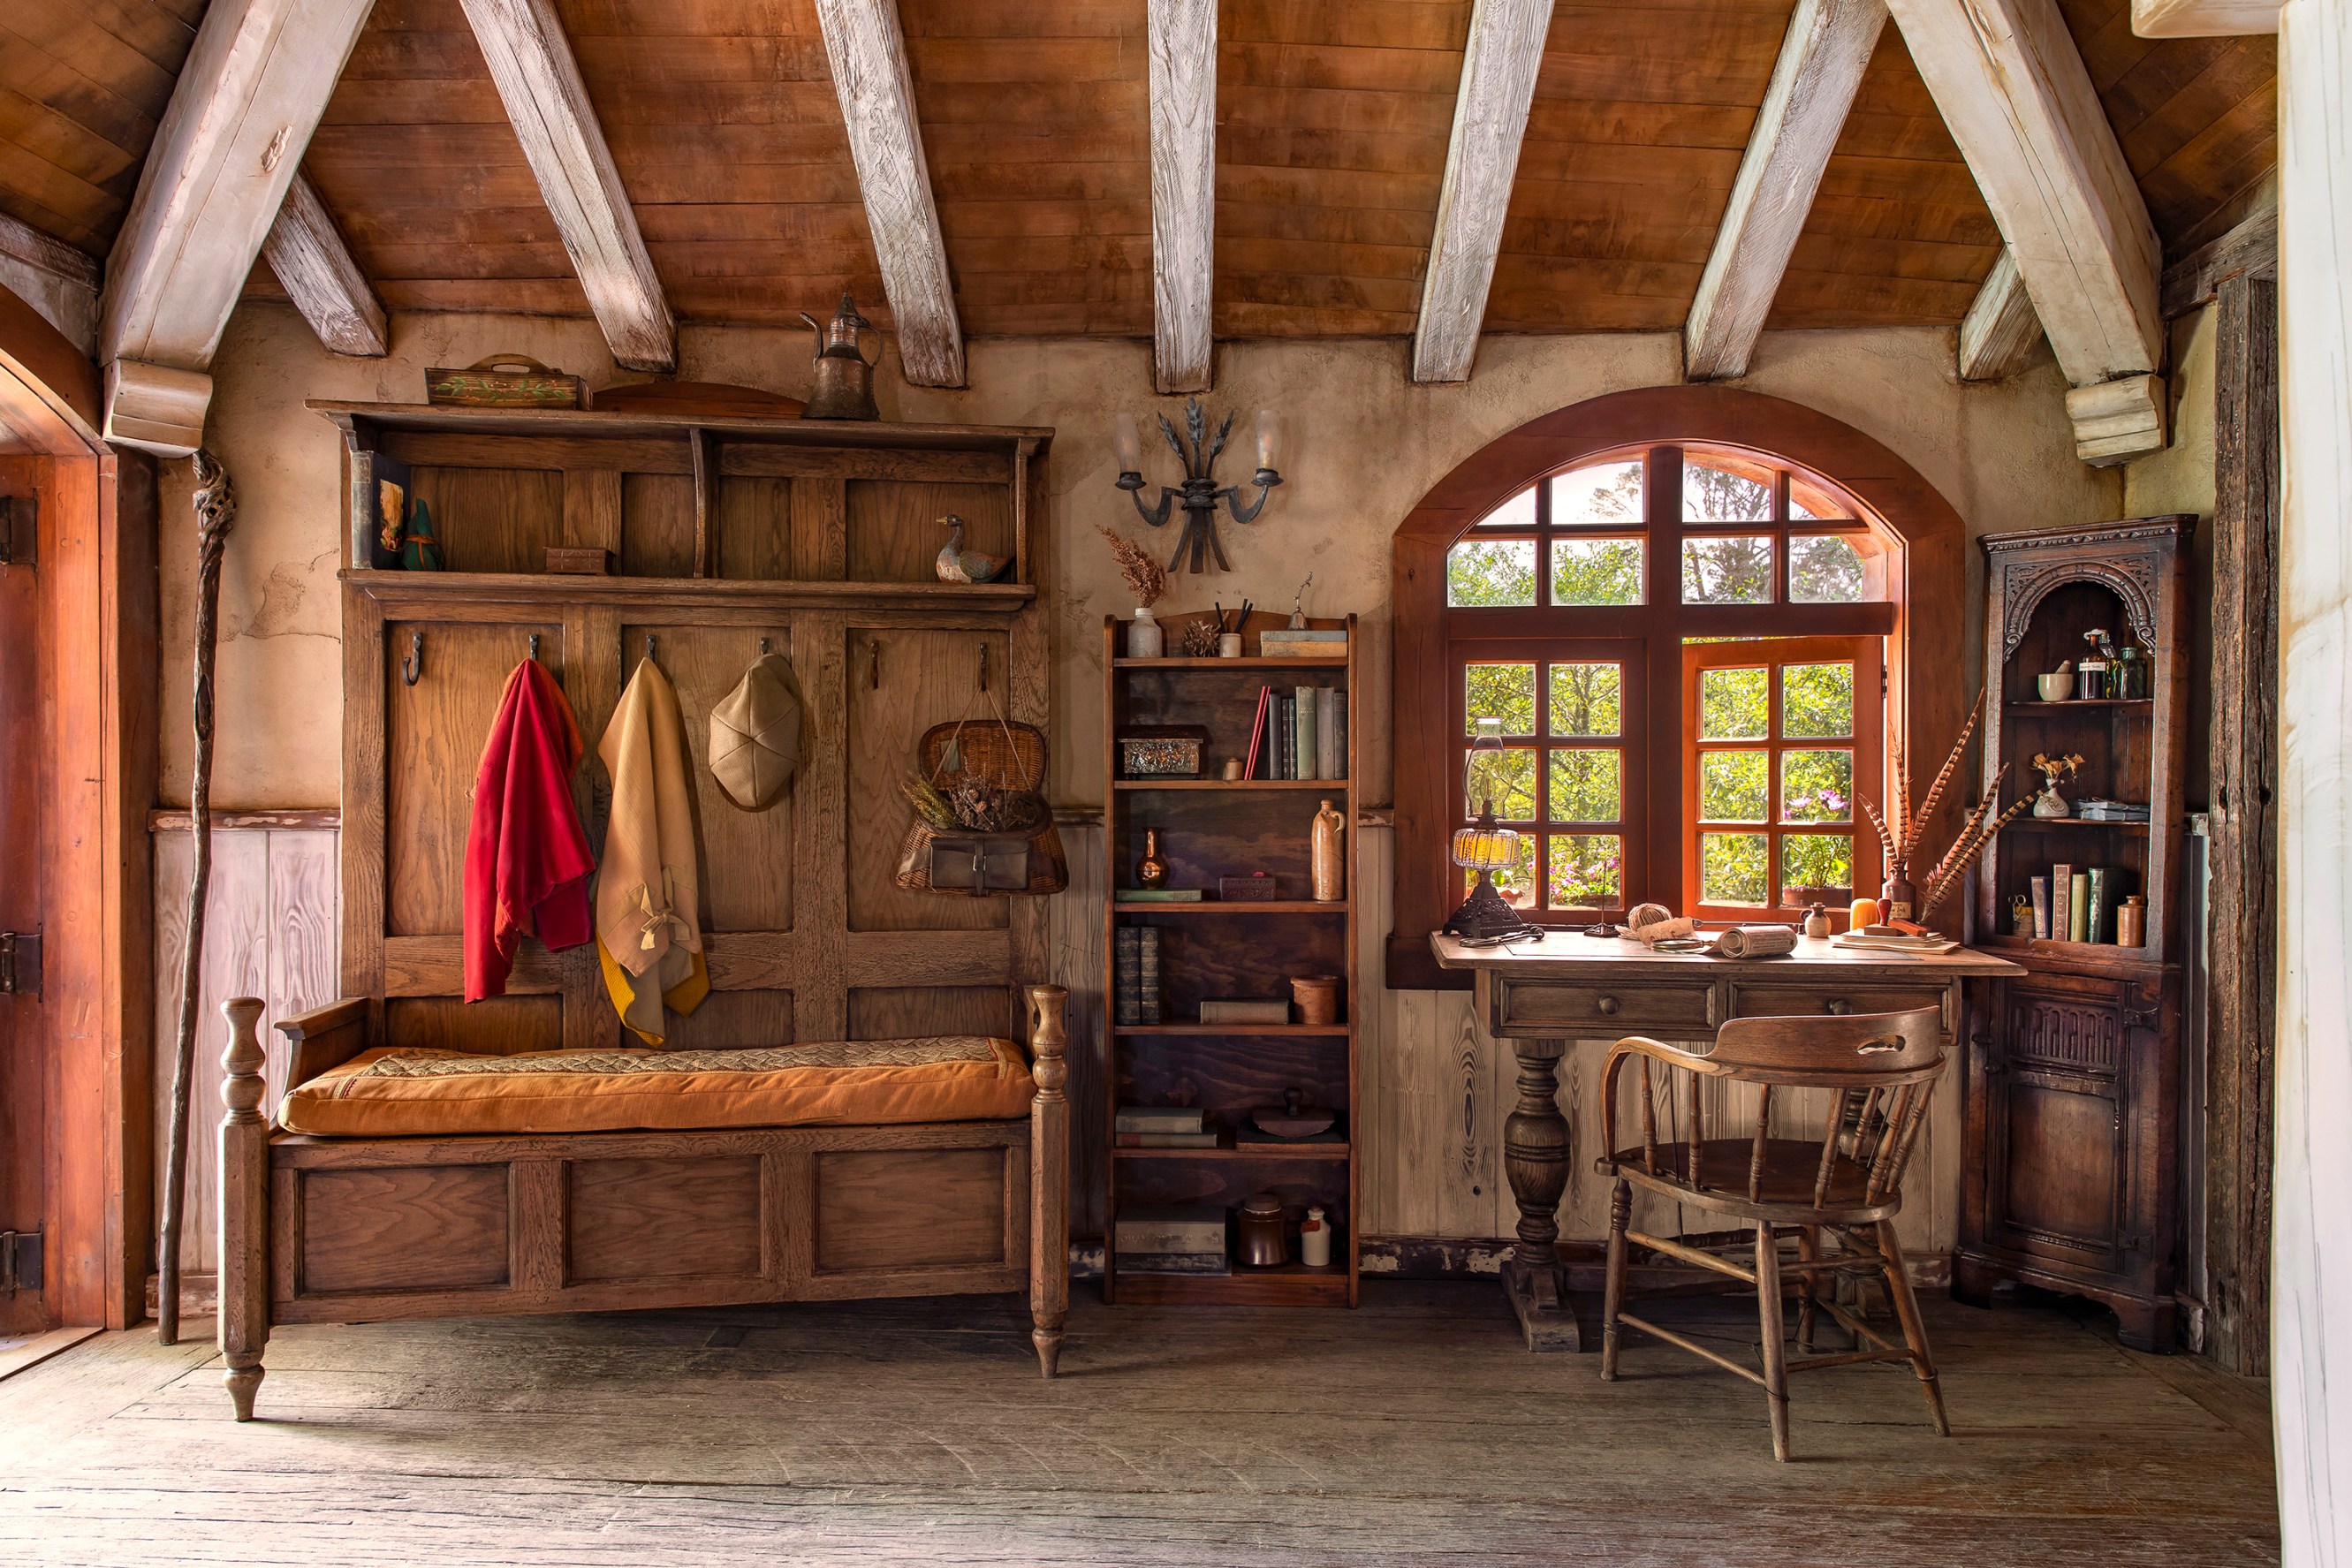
<point>845,379</point>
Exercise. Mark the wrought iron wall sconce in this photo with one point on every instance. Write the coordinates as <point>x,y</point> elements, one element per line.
<point>1200,493</point>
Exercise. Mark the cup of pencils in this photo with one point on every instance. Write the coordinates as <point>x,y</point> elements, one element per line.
<point>1229,643</point>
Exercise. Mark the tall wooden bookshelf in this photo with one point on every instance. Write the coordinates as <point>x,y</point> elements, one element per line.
<point>1209,828</point>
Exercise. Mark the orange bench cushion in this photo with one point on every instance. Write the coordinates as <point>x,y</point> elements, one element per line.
<point>403,1093</point>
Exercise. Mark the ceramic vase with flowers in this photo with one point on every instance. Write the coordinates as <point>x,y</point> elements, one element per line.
<point>2050,804</point>
<point>1147,582</point>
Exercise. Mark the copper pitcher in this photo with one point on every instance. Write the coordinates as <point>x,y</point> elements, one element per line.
<point>845,379</point>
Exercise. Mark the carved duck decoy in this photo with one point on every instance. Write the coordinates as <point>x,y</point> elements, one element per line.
<point>958,564</point>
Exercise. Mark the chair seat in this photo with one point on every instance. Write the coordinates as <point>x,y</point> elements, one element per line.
<point>1790,1167</point>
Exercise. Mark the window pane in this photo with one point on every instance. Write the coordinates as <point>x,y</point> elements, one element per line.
<point>1586,871</point>
<point>1585,699</point>
<point>1585,787</point>
<point>1731,868</point>
<point>1816,868</point>
<point>1491,573</point>
<point>1816,701</point>
<point>1506,777</point>
<point>1732,785</point>
<point>1516,885</point>
<point>1812,501</point>
<point>1736,569</point>
<point>1713,494</point>
<point>1817,786</point>
<point>1596,571</point>
<point>1733,705</point>
<point>1824,569</point>
<point>1605,493</point>
<point>1507,692</point>
<point>1518,512</point>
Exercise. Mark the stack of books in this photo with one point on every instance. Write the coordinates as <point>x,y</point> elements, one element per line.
<point>1878,939</point>
<point>1137,957</point>
<point>1163,1127</point>
<point>2097,809</point>
<point>1300,643</point>
<point>1302,734</point>
<point>1170,1239</point>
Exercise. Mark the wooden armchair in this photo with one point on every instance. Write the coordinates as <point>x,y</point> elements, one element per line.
<point>1880,1071</point>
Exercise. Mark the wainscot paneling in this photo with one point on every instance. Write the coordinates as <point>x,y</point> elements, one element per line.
<point>271,913</point>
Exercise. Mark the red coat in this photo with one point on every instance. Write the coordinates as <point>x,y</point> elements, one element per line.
<point>527,862</point>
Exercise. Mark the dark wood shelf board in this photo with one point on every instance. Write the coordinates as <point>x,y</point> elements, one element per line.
<point>782,430</point>
<point>1309,1031</point>
<point>1328,786</point>
<point>1297,1150</point>
<point>637,593</point>
<point>2051,824</point>
<point>1240,906</point>
<point>1290,1285</point>
<point>2143,705</point>
<point>1255,662</point>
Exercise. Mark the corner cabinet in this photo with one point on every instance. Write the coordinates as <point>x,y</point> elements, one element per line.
<point>2070,1100</point>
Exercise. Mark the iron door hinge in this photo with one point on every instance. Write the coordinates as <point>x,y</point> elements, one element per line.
<point>20,1260</point>
<point>19,519</point>
<point>20,963</point>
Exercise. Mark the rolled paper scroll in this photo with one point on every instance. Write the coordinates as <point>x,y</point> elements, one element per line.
<point>1756,941</point>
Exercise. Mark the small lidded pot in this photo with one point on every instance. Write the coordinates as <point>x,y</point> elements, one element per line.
<point>1259,1243</point>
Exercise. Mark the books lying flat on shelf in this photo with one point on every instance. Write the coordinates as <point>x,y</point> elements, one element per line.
<point>1169,1228</point>
<point>1244,1010</point>
<point>2098,809</point>
<point>1208,1138</point>
<point>1288,642</point>
<point>1158,1119</point>
<point>1210,1264</point>
<point>1160,895</point>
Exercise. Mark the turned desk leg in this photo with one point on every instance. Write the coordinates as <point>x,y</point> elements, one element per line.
<point>1534,1157</point>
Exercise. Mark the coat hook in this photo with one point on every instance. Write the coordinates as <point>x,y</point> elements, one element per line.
<point>763,647</point>
<point>412,668</point>
<point>875,648</point>
<point>983,667</point>
<point>534,646</point>
<point>649,647</point>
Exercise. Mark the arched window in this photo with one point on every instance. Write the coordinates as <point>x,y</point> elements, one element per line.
<point>1685,650</point>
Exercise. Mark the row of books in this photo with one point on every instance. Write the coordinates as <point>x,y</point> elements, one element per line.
<point>1170,1239</point>
<point>1302,734</point>
<point>1136,970</point>
<point>2077,904</point>
<point>1163,1127</point>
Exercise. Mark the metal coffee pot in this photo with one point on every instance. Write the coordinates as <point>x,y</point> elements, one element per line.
<point>845,380</point>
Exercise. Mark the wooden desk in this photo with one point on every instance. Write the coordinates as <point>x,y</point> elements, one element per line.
<point>1538,996</point>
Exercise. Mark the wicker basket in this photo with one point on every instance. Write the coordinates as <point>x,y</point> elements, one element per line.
<point>959,861</point>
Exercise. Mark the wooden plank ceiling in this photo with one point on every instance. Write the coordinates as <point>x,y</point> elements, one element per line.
<point>1332,127</point>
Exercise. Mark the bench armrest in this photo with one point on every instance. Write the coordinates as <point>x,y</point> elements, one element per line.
<point>325,1037</point>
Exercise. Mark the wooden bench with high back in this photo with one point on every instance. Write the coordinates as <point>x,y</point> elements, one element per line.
<point>732,536</point>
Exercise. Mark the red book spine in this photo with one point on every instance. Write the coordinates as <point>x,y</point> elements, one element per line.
<point>1258,731</point>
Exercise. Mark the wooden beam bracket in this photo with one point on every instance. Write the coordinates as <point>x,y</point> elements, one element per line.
<point>156,406</point>
<point>2119,419</point>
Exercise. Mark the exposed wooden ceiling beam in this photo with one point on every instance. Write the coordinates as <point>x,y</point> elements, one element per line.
<point>2000,328</point>
<point>868,54</point>
<point>2203,19</point>
<point>56,280</point>
<point>1813,82</point>
<point>1482,158</point>
<point>316,269</point>
<point>539,81</point>
<point>215,180</point>
<point>2017,98</point>
<point>1183,190</point>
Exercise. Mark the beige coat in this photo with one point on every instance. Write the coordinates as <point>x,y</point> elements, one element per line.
<point>648,887</point>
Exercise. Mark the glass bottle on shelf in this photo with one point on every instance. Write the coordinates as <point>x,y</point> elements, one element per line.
<point>1151,870</point>
<point>2091,674</point>
<point>2128,679</point>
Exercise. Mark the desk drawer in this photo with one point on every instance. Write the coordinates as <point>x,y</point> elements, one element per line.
<point>1796,1000</point>
<point>1588,1009</point>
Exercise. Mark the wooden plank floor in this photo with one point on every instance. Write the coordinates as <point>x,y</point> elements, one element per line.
<point>917,1432</point>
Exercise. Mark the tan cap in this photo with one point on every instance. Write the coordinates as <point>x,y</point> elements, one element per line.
<point>755,734</point>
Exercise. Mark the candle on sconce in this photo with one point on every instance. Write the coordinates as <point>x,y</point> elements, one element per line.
<point>1269,440</point>
<point>1128,445</point>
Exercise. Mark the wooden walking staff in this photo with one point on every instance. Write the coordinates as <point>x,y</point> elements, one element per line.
<point>216,506</point>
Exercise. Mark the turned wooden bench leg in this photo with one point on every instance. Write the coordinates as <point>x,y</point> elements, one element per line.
<point>1049,1174</point>
<point>244,1208</point>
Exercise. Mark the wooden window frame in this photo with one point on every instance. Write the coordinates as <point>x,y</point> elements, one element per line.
<point>1922,540</point>
<point>1867,743</point>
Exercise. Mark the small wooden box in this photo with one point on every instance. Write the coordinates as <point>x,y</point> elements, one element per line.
<point>504,381</point>
<point>1164,751</point>
<point>1257,888</point>
<point>578,562</point>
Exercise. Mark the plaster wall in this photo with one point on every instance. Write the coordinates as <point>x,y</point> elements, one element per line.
<point>1364,444</point>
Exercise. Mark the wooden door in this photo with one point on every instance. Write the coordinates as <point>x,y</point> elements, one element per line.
<point>24,1041</point>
